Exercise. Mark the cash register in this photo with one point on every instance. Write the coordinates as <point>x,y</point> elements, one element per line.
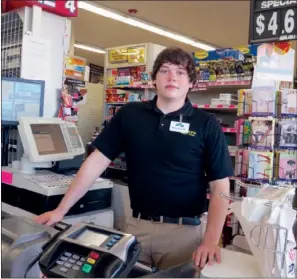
<point>80,251</point>
<point>47,141</point>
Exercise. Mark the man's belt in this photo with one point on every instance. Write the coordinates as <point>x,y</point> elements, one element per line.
<point>191,221</point>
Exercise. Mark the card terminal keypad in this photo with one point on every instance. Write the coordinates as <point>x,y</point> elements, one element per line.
<point>70,261</point>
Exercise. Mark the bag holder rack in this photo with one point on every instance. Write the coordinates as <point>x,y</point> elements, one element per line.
<point>274,228</point>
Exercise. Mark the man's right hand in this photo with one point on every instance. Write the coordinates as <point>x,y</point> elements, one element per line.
<point>49,218</point>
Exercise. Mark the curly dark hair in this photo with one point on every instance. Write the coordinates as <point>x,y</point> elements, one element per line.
<point>176,56</point>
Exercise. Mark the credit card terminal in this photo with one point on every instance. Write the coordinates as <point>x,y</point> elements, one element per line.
<point>89,251</point>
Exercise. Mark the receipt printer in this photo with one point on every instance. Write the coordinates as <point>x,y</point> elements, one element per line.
<point>87,251</point>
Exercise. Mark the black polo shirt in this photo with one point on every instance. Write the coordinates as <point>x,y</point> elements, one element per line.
<point>166,170</point>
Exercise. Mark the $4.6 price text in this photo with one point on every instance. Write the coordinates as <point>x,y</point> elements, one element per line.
<point>277,25</point>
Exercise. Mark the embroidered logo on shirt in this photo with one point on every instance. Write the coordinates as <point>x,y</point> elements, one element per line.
<point>191,133</point>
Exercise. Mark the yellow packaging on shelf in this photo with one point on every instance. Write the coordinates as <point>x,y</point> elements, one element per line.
<point>117,56</point>
<point>136,55</point>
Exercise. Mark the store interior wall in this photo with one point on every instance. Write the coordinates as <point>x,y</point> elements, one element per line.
<point>90,114</point>
<point>53,29</point>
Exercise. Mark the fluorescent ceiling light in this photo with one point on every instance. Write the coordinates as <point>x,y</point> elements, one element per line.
<point>99,10</point>
<point>93,49</point>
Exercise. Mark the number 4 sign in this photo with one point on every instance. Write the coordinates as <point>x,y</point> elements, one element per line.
<point>66,8</point>
<point>71,6</point>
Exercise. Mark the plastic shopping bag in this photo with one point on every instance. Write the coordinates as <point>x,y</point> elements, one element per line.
<point>284,217</point>
<point>259,218</point>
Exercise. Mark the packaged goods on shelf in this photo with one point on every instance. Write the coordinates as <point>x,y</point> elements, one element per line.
<point>285,166</point>
<point>245,101</point>
<point>224,99</point>
<point>128,77</point>
<point>264,101</point>
<point>243,132</point>
<point>227,96</point>
<point>260,166</point>
<point>225,64</point>
<point>287,134</point>
<point>287,99</point>
<point>241,163</point>
<point>263,133</point>
<point>122,96</point>
<point>215,102</point>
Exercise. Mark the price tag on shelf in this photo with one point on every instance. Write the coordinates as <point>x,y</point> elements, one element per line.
<point>272,21</point>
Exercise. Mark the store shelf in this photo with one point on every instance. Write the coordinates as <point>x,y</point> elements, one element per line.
<point>226,84</point>
<point>118,103</point>
<point>229,130</point>
<point>200,87</point>
<point>127,87</point>
<point>229,108</point>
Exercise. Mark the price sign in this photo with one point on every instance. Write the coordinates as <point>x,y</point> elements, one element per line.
<point>272,21</point>
<point>66,8</point>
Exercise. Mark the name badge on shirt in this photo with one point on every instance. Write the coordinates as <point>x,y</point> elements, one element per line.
<point>180,127</point>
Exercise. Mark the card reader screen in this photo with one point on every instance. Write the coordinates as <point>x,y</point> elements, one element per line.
<point>91,238</point>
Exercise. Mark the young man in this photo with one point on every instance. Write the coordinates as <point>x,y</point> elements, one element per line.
<point>173,152</point>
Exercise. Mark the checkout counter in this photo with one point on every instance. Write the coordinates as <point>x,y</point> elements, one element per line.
<point>79,251</point>
<point>87,251</point>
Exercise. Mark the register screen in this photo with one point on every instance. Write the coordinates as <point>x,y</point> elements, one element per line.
<point>21,98</point>
<point>91,238</point>
<point>49,139</point>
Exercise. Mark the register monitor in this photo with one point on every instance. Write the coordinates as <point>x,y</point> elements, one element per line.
<point>21,97</point>
<point>47,140</point>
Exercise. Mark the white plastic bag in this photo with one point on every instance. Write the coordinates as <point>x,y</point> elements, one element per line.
<point>284,217</point>
<point>258,218</point>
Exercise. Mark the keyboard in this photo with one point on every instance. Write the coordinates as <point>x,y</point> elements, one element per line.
<point>51,180</point>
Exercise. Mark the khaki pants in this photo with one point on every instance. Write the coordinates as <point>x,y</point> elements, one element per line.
<point>164,245</point>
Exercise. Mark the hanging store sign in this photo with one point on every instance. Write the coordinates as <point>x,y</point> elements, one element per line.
<point>272,21</point>
<point>127,55</point>
<point>65,8</point>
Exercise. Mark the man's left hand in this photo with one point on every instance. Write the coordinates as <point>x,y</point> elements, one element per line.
<point>207,253</point>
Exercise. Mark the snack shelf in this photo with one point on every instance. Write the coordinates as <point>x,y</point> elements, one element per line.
<point>232,108</point>
<point>127,87</point>
<point>118,103</point>
<point>201,86</point>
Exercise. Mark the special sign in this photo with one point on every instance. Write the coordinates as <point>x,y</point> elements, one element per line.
<point>272,21</point>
